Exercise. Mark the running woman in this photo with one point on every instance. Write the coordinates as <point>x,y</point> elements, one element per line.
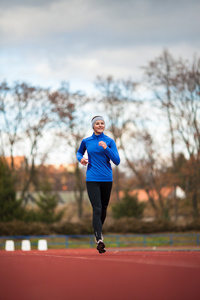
<point>101,149</point>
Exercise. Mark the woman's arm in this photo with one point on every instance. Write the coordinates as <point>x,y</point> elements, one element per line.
<point>111,151</point>
<point>81,152</point>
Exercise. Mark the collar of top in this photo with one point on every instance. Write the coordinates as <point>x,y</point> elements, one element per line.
<point>97,136</point>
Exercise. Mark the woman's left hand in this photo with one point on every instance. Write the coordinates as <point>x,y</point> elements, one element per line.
<point>103,144</point>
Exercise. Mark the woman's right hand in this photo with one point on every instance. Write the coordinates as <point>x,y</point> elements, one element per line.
<point>84,161</point>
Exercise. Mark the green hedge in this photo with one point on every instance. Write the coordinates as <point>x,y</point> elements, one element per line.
<point>125,225</point>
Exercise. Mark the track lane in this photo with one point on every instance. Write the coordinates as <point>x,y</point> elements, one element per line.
<point>85,274</point>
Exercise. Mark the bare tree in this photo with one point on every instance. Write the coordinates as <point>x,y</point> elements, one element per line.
<point>13,103</point>
<point>26,116</point>
<point>148,167</point>
<point>69,116</point>
<point>160,73</point>
<point>176,85</point>
<point>117,99</point>
<point>187,118</point>
<point>36,124</point>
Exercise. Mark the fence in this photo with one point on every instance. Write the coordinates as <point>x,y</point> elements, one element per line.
<point>116,240</point>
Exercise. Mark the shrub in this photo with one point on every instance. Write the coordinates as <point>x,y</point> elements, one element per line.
<point>47,204</point>
<point>10,206</point>
<point>131,225</point>
<point>128,207</point>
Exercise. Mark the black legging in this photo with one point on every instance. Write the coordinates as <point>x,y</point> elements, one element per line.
<point>99,195</point>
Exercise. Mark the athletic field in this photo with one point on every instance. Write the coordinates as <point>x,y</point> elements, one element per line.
<point>119,274</point>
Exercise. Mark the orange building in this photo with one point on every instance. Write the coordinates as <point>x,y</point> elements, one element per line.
<point>19,161</point>
<point>166,192</point>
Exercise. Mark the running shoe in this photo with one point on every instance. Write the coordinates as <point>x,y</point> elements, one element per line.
<point>101,246</point>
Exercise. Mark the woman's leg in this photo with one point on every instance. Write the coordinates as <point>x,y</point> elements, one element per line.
<point>106,188</point>
<point>94,194</point>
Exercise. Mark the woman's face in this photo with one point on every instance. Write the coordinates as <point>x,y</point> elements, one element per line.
<point>99,127</point>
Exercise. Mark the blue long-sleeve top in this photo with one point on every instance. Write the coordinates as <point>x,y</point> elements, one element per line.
<point>99,166</point>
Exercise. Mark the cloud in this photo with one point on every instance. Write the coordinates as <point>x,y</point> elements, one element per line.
<point>122,62</point>
<point>49,41</point>
<point>99,23</point>
<point>24,24</point>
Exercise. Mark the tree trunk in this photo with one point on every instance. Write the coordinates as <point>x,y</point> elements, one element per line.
<point>117,183</point>
<point>195,204</point>
<point>79,190</point>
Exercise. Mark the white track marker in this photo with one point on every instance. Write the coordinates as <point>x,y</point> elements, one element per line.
<point>26,245</point>
<point>10,246</point>
<point>42,245</point>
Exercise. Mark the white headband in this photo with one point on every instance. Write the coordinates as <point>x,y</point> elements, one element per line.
<point>96,119</point>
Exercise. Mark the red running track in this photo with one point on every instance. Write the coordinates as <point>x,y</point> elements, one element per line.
<point>85,274</point>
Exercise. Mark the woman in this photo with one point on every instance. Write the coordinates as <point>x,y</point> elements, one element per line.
<point>101,149</point>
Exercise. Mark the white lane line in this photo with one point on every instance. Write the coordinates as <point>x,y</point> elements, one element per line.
<point>144,261</point>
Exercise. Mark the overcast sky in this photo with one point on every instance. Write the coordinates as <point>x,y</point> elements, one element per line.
<point>44,42</point>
